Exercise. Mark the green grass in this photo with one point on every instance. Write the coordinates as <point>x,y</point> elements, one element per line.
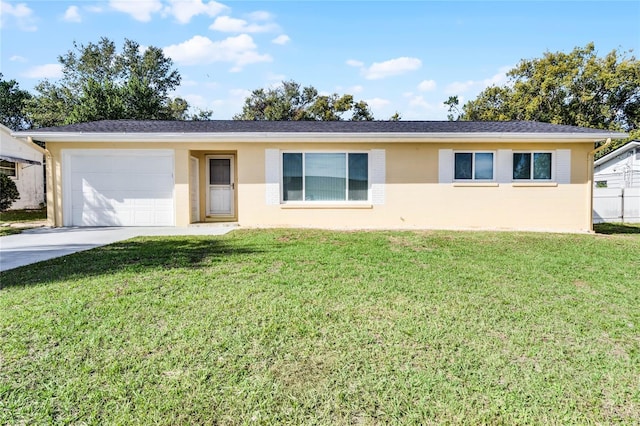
<point>23,215</point>
<point>315,327</point>
<point>7,230</point>
<point>617,228</point>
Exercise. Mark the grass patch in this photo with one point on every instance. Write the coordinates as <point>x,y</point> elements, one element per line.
<point>319,327</point>
<point>8,230</point>
<point>617,228</point>
<point>23,215</point>
<point>20,220</point>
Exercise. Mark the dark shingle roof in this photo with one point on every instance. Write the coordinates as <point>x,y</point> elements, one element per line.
<point>234,126</point>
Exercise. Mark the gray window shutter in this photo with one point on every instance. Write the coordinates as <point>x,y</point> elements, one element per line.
<point>272,176</point>
<point>445,166</point>
<point>563,166</point>
<point>504,165</point>
<point>378,176</point>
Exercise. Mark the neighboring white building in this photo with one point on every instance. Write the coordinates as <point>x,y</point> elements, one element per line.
<point>616,176</point>
<point>22,162</point>
<point>619,168</point>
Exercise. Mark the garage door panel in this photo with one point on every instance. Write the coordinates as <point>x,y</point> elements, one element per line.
<point>121,188</point>
<point>104,181</point>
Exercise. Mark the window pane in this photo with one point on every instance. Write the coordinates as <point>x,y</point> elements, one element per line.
<point>542,165</point>
<point>521,165</point>
<point>358,177</point>
<point>7,168</point>
<point>219,171</point>
<point>463,165</point>
<point>484,165</point>
<point>325,177</point>
<point>292,177</point>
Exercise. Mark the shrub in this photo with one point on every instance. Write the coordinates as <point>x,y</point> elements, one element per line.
<point>8,192</point>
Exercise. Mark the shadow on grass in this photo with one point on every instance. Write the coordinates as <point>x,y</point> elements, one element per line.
<point>616,228</point>
<point>138,255</point>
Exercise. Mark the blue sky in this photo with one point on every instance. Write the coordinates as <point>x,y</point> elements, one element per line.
<point>398,56</point>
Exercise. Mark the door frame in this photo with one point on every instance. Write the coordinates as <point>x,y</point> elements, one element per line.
<point>194,189</point>
<point>233,177</point>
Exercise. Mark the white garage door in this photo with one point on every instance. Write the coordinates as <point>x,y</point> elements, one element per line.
<point>118,187</point>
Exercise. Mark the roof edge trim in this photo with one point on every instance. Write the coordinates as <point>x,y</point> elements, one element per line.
<point>252,137</point>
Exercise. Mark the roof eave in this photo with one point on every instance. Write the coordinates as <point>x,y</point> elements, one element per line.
<point>626,147</point>
<point>335,137</point>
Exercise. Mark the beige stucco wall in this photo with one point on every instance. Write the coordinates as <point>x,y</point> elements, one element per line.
<point>413,196</point>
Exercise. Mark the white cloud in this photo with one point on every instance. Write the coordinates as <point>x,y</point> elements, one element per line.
<point>72,14</point>
<point>498,79</point>
<point>19,14</point>
<point>281,39</point>
<point>276,77</point>
<point>460,86</point>
<point>355,89</point>
<point>227,24</point>
<point>93,9</point>
<point>427,85</point>
<point>397,66</point>
<point>260,15</point>
<point>240,93</point>
<point>44,71</point>
<point>18,58</point>
<point>184,10</point>
<point>389,68</point>
<point>377,102</point>
<point>195,100</point>
<point>239,50</point>
<point>418,101</point>
<point>140,10</point>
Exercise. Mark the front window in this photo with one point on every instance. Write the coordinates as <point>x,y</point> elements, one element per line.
<point>8,168</point>
<point>331,176</point>
<point>532,166</point>
<point>473,166</point>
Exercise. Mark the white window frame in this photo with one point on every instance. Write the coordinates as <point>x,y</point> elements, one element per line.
<point>473,166</point>
<point>531,178</point>
<point>15,169</point>
<point>326,202</point>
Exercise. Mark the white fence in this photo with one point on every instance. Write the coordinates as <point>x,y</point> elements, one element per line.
<point>616,205</point>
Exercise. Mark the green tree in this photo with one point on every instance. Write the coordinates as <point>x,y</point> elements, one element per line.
<point>8,192</point>
<point>291,102</point>
<point>578,88</point>
<point>395,117</point>
<point>101,83</point>
<point>454,110</point>
<point>12,105</point>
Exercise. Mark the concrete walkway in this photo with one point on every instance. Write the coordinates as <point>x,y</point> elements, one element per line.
<point>36,245</point>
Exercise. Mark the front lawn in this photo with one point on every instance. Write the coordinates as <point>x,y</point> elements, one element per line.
<point>319,327</point>
<point>23,215</point>
<point>22,218</point>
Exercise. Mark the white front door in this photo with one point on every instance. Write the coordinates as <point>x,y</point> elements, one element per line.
<point>220,185</point>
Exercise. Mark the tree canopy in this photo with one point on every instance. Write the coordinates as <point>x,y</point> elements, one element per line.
<point>291,101</point>
<point>101,83</point>
<point>577,88</point>
<point>12,104</point>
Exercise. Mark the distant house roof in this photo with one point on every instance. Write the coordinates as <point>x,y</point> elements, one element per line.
<point>235,129</point>
<point>620,150</point>
<point>17,150</point>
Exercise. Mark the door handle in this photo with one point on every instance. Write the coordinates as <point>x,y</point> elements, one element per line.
<point>233,185</point>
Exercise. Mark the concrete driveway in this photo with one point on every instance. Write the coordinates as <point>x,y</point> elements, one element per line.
<point>36,245</point>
